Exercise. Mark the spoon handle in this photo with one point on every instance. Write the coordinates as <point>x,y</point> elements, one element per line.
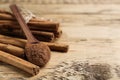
<point>22,23</point>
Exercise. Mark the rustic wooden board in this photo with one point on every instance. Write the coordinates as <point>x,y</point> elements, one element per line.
<point>92,31</point>
<point>63,1</point>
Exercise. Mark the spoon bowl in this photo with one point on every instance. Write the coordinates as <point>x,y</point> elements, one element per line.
<point>38,54</point>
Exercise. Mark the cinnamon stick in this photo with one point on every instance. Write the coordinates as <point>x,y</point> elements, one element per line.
<point>17,51</point>
<point>5,12</point>
<point>13,41</point>
<point>57,47</point>
<point>40,35</point>
<point>58,33</point>
<point>8,22</point>
<point>14,25</point>
<point>44,31</point>
<point>51,26</point>
<point>19,63</point>
<point>37,24</point>
<point>21,43</point>
<point>4,16</point>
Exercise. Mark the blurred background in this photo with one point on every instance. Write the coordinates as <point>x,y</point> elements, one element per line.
<point>62,1</point>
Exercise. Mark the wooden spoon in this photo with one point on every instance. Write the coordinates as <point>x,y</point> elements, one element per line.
<point>36,52</point>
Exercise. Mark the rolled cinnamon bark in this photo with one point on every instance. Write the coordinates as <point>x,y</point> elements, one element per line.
<point>45,25</point>
<point>17,51</point>
<point>12,41</point>
<point>35,30</point>
<point>4,16</point>
<point>21,43</point>
<point>40,35</point>
<point>58,47</point>
<point>53,26</point>
<point>19,63</point>
<point>5,12</point>
<point>35,25</point>
<point>8,22</point>
<point>58,33</point>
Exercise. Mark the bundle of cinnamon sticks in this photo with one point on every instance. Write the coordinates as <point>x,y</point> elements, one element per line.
<point>43,30</point>
<point>12,40</point>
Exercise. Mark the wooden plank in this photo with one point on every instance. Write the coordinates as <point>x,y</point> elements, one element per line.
<point>70,9</point>
<point>63,1</point>
<point>92,31</point>
<point>84,19</point>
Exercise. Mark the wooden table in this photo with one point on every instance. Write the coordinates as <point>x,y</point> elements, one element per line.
<point>91,30</point>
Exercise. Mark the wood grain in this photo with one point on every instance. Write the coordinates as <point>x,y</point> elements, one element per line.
<point>63,1</point>
<point>90,27</point>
